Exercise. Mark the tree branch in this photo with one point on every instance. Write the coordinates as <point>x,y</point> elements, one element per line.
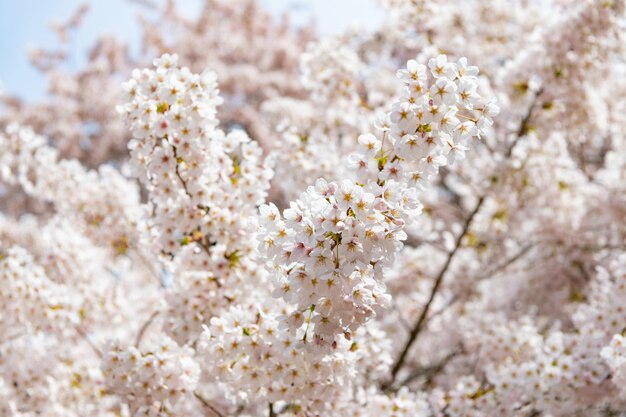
<point>415,331</point>
<point>178,172</point>
<point>207,404</point>
<point>523,127</point>
<point>508,262</point>
<point>143,329</point>
<point>93,347</point>
<point>430,371</point>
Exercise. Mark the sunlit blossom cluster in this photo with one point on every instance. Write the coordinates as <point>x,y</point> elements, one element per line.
<point>423,218</point>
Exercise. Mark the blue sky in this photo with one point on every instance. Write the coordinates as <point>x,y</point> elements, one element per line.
<point>24,24</point>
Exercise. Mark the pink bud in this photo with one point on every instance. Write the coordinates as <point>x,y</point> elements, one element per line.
<point>379,204</point>
<point>399,222</point>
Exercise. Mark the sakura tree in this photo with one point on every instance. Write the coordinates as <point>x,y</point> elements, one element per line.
<point>420,219</point>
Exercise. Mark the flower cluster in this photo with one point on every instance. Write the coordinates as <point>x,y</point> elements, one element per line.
<point>255,56</point>
<point>329,70</point>
<point>103,202</point>
<point>247,351</point>
<point>435,121</point>
<point>151,381</point>
<point>313,239</point>
<point>205,289</point>
<point>557,371</point>
<point>204,186</point>
<point>50,382</point>
<point>401,404</point>
<point>30,300</point>
<point>615,356</point>
<point>328,245</point>
<point>329,248</point>
<point>199,178</point>
<point>318,131</point>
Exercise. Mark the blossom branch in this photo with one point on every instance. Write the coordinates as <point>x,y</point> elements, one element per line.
<point>524,124</point>
<point>207,404</point>
<point>93,347</point>
<point>144,327</point>
<point>417,328</point>
<point>429,372</point>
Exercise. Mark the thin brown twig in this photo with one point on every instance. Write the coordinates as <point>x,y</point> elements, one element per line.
<point>145,326</point>
<point>204,247</point>
<point>178,172</point>
<point>207,404</point>
<point>93,347</point>
<point>488,275</point>
<point>523,127</point>
<point>508,262</point>
<point>439,312</point>
<point>148,265</point>
<point>429,371</point>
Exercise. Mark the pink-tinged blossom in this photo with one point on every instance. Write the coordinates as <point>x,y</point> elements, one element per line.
<point>267,226</point>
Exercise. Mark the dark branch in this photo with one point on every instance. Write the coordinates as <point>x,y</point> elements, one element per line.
<point>143,329</point>
<point>208,405</point>
<point>429,372</point>
<point>524,124</point>
<point>417,328</point>
<point>93,347</point>
<point>508,262</point>
<point>178,173</point>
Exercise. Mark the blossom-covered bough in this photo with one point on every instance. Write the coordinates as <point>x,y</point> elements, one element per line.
<point>433,241</point>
